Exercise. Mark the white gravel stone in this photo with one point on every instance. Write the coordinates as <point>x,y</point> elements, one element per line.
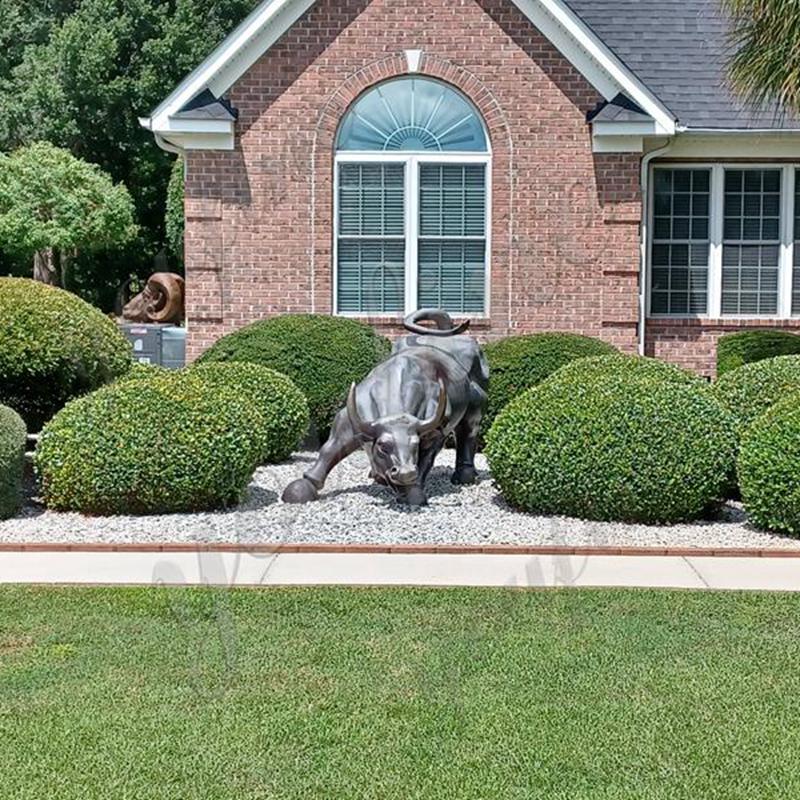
<point>354,510</point>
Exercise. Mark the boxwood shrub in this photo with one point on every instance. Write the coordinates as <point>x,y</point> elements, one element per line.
<point>323,355</point>
<point>746,347</point>
<point>517,363</point>
<point>751,390</point>
<point>12,456</point>
<point>613,447</point>
<point>769,465</point>
<point>148,447</point>
<point>282,405</point>
<point>628,367</point>
<point>53,347</point>
<point>139,371</point>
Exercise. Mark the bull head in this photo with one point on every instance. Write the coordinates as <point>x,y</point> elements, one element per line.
<point>162,300</point>
<point>392,443</point>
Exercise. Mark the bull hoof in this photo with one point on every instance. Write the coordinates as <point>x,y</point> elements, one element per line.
<point>300,491</point>
<point>464,476</point>
<point>414,497</point>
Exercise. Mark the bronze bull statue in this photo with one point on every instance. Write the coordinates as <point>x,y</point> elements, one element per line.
<point>161,300</point>
<point>433,384</point>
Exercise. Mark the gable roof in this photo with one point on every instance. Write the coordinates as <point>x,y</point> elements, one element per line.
<point>659,64</point>
<point>678,49</point>
<point>272,18</point>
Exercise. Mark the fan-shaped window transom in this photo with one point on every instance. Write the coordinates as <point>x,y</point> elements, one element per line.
<point>413,114</point>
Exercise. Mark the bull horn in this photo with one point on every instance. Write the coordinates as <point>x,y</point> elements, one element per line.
<point>444,324</point>
<point>435,422</point>
<point>366,429</point>
<point>170,287</point>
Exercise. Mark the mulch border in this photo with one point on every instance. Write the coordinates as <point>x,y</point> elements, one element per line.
<point>506,550</point>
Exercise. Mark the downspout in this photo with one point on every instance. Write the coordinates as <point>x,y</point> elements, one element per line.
<point>644,183</point>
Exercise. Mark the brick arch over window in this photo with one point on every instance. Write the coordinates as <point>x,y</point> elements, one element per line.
<point>501,258</point>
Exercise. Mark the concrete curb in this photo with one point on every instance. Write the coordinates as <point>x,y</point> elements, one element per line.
<point>509,550</point>
<point>270,569</point>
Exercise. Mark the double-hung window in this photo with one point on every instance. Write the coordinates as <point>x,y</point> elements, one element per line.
<point>722,241</point>
<point>412,202</point>
<point>751,241</point>
<point>679,255</point>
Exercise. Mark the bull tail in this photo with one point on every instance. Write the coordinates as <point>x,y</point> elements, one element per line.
<point>444,324</point>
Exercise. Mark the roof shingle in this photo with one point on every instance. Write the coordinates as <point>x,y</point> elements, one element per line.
<point>678,49</point>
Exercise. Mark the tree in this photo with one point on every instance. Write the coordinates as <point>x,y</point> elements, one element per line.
<point>23,24</point>
<point>765,65</point>
<point>87,71</point>
<point>175,213</point>
<point>53,205</point>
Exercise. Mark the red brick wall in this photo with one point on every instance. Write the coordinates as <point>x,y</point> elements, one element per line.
<point>692,343</point>
<point>564,221</point>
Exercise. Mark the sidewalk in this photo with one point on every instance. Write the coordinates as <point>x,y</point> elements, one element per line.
<point>398,569</point>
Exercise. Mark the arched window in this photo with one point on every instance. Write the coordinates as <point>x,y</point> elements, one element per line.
<point>412,201</point>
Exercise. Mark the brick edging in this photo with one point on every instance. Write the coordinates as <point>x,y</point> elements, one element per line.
<point>276,549</point>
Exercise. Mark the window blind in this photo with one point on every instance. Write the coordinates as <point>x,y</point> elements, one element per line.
<point>680,243</point>
<point>452,237</point>
<point>371,245</point>
<point>751,241</point>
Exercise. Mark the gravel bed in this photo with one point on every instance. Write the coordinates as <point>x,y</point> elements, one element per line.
<point>354,510</point>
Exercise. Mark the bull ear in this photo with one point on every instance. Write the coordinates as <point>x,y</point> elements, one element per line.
<point>436,421</point>
<point>365,429</point>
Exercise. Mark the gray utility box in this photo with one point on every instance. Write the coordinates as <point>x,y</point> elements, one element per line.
<point>162,345</point>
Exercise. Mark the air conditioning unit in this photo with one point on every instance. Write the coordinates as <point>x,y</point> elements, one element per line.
<point>161,345</point>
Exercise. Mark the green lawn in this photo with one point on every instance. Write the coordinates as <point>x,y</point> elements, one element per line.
<point>169,693</point>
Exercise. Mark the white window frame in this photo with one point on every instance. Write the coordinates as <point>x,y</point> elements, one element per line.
<point>412,162</point>
<point>716,220</point>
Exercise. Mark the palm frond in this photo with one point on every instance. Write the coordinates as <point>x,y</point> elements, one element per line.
<point>764,66</point>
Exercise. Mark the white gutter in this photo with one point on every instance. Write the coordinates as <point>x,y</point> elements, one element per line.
<point>742,131</point>
<point>147,124</point>
<point>168,146</point>
<point>644,183</point>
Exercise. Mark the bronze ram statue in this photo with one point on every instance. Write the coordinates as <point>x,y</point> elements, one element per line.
<point>433,384</point>
<point>162,300</point>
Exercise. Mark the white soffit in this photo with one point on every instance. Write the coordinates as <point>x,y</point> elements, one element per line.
<point>737,144</point>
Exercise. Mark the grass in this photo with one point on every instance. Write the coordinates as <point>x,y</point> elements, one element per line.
<point>306,693</point>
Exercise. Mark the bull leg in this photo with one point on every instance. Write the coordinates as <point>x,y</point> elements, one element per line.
<point>428,457</point>
<point>341,443</point>
<point>415,495</point>
<point>466,445</point>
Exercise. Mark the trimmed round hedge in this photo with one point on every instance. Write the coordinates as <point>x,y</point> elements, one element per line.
<point>141,371</point>
<point>517,363</point>
<point>613,447</point>
<point>751,390</point>
<point>628,367</point>
<point>323,355</point>
<point>282,405</point>
<point>53,347</point>
<point>769,465</point>
<point>746,347</point>
<point>12,456</point>
<point>138,447</point>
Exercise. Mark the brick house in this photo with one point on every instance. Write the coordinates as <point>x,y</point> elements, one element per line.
<point>535,165</point>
